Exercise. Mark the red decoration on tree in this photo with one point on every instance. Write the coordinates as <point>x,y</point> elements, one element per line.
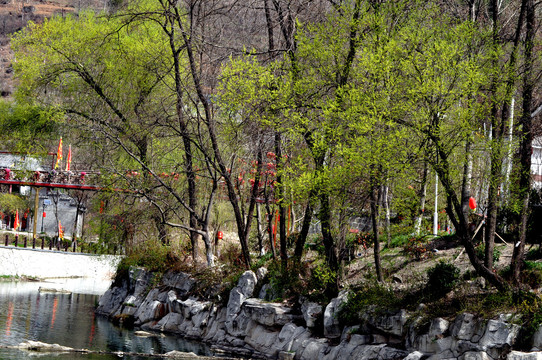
<point>472,203</point>
<point>220,235</point>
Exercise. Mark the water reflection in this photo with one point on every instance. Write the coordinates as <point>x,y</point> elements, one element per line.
<point>69,320</point>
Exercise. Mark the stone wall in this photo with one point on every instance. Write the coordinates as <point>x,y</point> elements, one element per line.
<point>250,326</point>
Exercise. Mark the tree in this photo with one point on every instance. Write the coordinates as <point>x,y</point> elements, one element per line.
<point>85,74</point>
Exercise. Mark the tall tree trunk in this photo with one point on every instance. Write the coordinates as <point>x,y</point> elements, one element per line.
<point>279,196</point>
<point>526,140</point>
<point>467,178</point>
<point>422,195</point>
<point>302,238</point>
<point>374,220</point>
<point>386,203</point>
<point>325,221</point>
<point>259,228</point>
<point>270,229</point>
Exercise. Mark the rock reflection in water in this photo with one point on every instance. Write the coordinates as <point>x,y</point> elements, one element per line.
<point>69,320</point>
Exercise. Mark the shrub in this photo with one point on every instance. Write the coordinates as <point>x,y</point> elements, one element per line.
<point>359,299</point>
<point>442,278</point>
<point>321,279</point>
<point>481,253</point>
<point>416,247</point>
<point>152,256</point>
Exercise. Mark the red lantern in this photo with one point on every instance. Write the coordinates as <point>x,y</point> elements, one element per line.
<point>220,235</point>
<point>472,203</point>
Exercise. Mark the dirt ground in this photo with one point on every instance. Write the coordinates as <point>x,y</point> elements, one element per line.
<point>402,270</point>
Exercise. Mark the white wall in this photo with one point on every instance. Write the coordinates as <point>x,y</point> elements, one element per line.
<point>53,264</point>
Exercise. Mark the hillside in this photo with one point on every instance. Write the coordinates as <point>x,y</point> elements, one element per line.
<point>14,15</point>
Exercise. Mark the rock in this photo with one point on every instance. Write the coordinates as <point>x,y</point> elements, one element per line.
<point>285,355</point>
<point>537,338</point>
<point>180,355</point>
<point>475,355</point>
<point>29,9</point>
<point>288,334</point>
<point>416,355</point>
<point>112,300</point>
<point>263,340</point>
<point>246,283</point>
<point>465,327</point>
<point>517,355</point>
<point>367,352</point>
<point>261,273</point>
<point>332,327</point>
<point>499,333</point>
<point>430,345</point>
<point>264,292</point>
<point>311,313</point>
<point>243,290</point>
<point>313,349</point>
<point>30,345</point>
<point>388,323</point>
<point>447,355</point>
<point>269,314</point>
<point>169,323</point>
<point>438,327</point>
<point>180,281</point>
<point>144,334</point>
<point>464,346</point>
<point>149,311</point>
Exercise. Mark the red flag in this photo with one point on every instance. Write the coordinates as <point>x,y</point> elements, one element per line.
<point>60,230</point>
<point>69,159</point>
<point>16,221</point>
<point>59,154</point>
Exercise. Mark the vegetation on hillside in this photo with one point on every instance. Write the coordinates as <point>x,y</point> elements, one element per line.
<point>266,122</point>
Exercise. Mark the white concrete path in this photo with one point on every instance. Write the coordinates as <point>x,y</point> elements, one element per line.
<point>54,264</point>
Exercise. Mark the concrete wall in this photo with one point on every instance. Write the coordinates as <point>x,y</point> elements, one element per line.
<point>53,264</point>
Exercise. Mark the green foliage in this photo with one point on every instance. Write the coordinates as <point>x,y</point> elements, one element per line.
<point>152,256</point>
<point>321,279</point>
<point>358,300</point>
<point>481,253</point>
<point>529,306</point>
<point>442,278</point>
<point>27,127</point>
<point>284,282</point>
<point>10,203</point>
<point>416,247</point>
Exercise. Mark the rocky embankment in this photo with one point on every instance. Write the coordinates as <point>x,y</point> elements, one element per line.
<point>250,326</point>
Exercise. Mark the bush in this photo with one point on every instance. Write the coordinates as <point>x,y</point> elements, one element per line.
<point>359,299</point>
<point>416,247</point>
<point>481,253</point>
<point>321,280</point>
<point>152,256</point>
<point>442,278</point>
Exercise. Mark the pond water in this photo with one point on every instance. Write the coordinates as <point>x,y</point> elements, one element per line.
<point>68,319</point>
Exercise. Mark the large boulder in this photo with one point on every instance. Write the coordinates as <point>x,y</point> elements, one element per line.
<point>182,283</point>
<point>238,295</point>
<point>112,300</point>
<point>332,328</point>
<point>268,314</point>
<point>311,312</point>
<point>499,333</point>
<point>467,327</point>
<point>517,355</point>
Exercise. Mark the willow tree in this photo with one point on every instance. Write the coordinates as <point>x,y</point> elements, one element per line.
<point>79,64</point>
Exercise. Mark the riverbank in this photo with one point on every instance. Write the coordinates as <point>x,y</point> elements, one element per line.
<point>246,325</point>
